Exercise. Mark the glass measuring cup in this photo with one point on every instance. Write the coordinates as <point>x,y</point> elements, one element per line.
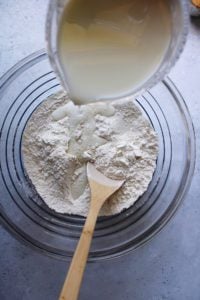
<point>179,21</point>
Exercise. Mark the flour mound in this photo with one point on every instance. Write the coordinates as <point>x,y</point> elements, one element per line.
<point>60,138</point>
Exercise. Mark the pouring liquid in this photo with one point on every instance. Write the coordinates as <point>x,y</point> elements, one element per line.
<point>109,48</point>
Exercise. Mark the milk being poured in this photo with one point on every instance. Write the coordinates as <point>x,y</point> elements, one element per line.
<point>109,48</point>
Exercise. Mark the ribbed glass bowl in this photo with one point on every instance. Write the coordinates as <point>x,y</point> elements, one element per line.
<point>25,214</point>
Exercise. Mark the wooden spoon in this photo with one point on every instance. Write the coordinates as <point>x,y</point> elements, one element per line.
<point>101,189</point>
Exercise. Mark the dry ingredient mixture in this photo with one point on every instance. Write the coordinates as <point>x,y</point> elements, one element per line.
<point>60,138</point>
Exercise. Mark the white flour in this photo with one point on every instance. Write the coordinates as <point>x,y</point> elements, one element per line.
<point>61,138</point>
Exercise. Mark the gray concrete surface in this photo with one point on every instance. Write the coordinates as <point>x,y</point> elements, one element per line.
<point>168,267</point>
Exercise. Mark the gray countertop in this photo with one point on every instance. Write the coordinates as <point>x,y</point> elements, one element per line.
<point>167,267</point>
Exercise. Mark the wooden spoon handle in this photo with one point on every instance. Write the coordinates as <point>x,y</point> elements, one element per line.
<point>72,284</point>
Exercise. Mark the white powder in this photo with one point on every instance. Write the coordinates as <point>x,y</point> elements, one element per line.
<point>60,138</point>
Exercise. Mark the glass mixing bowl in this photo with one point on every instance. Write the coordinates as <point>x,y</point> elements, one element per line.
<point>179,21</point>
<point>25,214</point>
